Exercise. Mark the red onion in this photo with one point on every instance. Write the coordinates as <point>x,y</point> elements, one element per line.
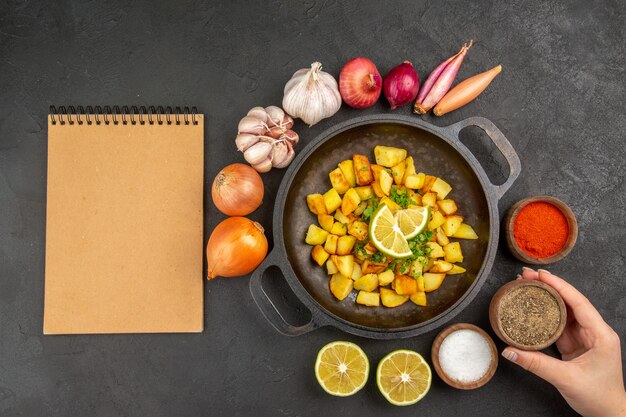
<point>360,83</point>
<point>401,85</point>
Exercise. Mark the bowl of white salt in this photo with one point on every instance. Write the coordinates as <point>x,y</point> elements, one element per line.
<point>464,356</point>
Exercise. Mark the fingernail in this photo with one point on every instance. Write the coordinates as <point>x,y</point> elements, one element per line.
<point>524,268</point>
<point>510,355</point>
<point>519,276</point>
<point>543,270</point>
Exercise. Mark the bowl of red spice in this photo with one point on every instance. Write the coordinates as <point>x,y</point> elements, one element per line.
<point>540,230</point>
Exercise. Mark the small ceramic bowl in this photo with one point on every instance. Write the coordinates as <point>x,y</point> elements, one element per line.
<point>496,323</point>
<point>523,256</point>
<point>434,353</point>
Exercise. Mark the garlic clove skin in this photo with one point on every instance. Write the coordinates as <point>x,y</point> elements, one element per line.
<point>275,115</point>
<point>258,112</point>
<point>312,95</point>
<point>276,132</point>
<point>279,153</point>
<point>256,153</point>
<point>291,136</point>
<point>286,159</point>
<point>245,140</point>
<point>287,122</point>
<point>263,166</point>
<point>249,124</point>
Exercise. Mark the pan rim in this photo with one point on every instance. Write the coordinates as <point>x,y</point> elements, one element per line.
<point>332,319</point>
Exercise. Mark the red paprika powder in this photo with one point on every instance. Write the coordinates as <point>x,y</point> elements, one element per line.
<point>540,230</point>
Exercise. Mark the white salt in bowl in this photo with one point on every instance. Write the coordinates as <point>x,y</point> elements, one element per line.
<point>464,356</point>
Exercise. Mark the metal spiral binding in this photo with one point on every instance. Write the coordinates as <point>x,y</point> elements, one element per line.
<point>125,115</point>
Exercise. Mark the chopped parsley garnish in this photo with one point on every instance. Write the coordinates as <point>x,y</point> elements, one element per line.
<point>364,169</point>
<point>372,205</point>
<point>400,197</point>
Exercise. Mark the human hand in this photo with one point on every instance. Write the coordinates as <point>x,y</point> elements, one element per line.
<point>589,376</point>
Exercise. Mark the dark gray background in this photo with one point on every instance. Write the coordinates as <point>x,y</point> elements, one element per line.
<point>559,100</point>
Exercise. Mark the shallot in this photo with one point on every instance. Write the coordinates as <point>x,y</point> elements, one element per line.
<point>466,91</point>
<point>439,81</point>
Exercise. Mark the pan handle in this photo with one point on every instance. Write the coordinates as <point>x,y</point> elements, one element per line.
<point>501,142</point>
<point>267,306</point>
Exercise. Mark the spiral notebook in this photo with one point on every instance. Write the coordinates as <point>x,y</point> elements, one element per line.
<point>124,243</point>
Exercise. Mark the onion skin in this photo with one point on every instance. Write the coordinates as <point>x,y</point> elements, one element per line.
<point>236,247</point>
<point>443,82</point>
<point>237,190</point>
<point>401,85</point>
<point>466,91</point>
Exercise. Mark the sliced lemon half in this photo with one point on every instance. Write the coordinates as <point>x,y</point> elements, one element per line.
<point>413,221</point>
<point>403,377</point>
<point>341,368</point>
<point>386,235</point>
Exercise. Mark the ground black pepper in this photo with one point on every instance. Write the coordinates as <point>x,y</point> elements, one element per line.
<point>529,315</point>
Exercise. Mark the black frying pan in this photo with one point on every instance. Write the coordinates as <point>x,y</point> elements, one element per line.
<point>437,151</point>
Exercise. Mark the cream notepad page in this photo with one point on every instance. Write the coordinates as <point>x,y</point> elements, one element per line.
<point>124,243</point>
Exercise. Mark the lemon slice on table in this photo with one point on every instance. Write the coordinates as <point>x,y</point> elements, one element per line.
<point>403,377</point>
<point>386,235</point>
<point>413,221</point>
<point>342,368</point>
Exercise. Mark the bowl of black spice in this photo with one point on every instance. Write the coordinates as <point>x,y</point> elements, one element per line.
<point>527,314</point>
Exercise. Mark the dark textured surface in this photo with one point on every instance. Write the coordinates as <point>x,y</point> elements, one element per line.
<point>559,101</point>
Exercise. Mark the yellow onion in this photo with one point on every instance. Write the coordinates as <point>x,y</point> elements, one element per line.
<point>236,247</point>
<point>237,190</point>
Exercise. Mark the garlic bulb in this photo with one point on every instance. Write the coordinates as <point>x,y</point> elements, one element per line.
<point>266,139</point>
<point>312,95</point>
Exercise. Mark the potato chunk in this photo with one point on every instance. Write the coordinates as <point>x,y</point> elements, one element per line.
<point>347,169</point>
<point>332,200</point>
<point>436,220</point>
<point>409,168</point>
<point>456,270</point>
<point>339,229</point>
<point>315,235</point>
<point>338,181</point>
<point>326,221</point>
<point>340,286</point>
<point>316,203</point>
<point>441,266</point>
<point>385,277</point>
<point>436,251</point>
<point>453,252</point>
<point>331,244</point>
<point>465,231</point>
<point>345,244</point>
<point>419,298</point>
<point>441,187</point>
<point>429,199</point>
<point>415,181</point>
<point>405,285</point>
<point>350,202</point>
<point>451,225</point>
<point>344,263</point>
<point>362,170</point>
<point>390,298</point>
<point>397,172</point>
<point>366,298</point>
<point>331,268</point>
<point>367,282</point>
<point>448,207</point>
<point>364,192</point>
<point>388,156</point>
<point>386,181</point>
<point>432,281</point>
<point>359,230</point>
<point>319,255</point>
